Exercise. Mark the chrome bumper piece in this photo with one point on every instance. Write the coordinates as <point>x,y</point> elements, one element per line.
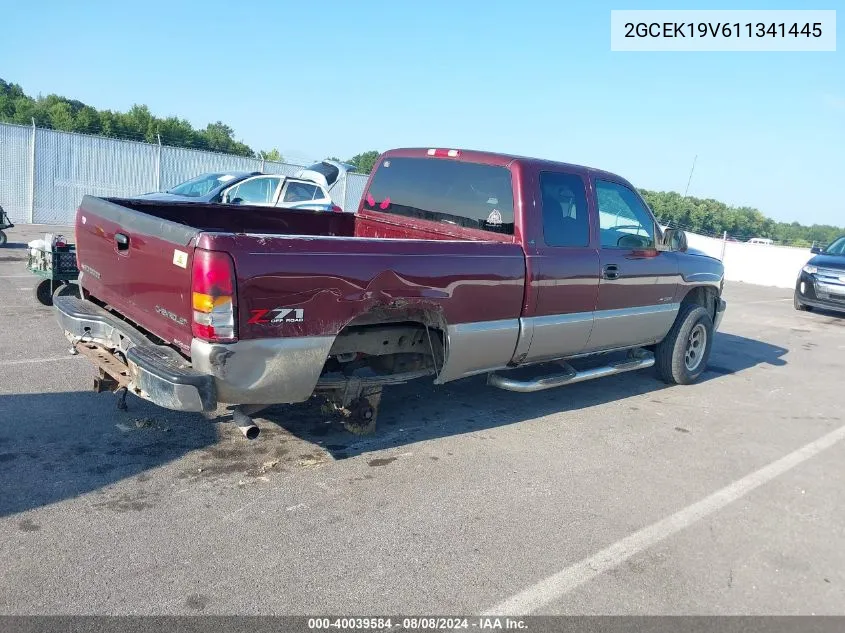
<point>260,371</point>
<point>720,313</point>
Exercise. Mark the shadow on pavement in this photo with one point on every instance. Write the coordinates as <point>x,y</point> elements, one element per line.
<point>830,317</point>
<point>732,354</point>
<point>56,446</point>
<point>420,411</point>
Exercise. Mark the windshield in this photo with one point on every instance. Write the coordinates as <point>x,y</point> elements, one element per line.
<point>837,248</point>
<point>201,185</point>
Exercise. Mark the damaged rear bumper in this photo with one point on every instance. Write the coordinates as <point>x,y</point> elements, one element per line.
<point>258,371</point>
<point>155,372</point>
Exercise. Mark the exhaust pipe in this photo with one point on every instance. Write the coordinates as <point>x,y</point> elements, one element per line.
<point>245,424</point>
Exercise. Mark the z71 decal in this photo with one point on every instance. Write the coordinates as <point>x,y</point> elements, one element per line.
<point>277,315</point>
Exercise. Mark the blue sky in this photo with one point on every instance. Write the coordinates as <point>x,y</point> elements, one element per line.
<point>536,78</point>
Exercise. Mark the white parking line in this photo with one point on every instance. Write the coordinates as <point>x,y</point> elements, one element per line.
<point>16,276</point>
<point>25,361</point>
<point>557,585</point>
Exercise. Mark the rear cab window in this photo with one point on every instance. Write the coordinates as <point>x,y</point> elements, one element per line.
<point>457,193</point>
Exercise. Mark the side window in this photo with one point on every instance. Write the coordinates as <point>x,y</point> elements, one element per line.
<point>255,191</point>
<point>319,194</point>
<point>624,222</point>
<point>299,192</point>
<point>565,217</point>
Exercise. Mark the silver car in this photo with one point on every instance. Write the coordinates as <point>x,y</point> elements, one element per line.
<point>252,188</point>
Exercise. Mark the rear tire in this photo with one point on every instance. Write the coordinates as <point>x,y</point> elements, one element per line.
<point>682,356</point>
<point>3,238</point>
<point>798,305</point>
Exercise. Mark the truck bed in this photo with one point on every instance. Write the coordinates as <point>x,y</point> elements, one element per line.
<point>333,268</point>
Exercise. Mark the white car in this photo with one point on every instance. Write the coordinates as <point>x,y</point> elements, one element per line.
<point>252,188</point>
<point>279,191</point>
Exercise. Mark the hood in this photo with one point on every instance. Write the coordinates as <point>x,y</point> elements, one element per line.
<point>837,262</point>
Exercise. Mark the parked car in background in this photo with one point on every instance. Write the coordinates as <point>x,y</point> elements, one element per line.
<point>761,240</point>
<point>252,188</point>
<point>821,282</point>
<point>326,172</point>
<point>332,176</point>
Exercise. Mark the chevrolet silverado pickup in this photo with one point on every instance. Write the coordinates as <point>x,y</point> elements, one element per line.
<point>457,263</point>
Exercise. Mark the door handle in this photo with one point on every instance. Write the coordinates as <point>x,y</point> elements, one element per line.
<point>610,271</point>
<point>122,241</point>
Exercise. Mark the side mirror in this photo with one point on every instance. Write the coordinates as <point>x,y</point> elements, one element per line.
<point>674,240</point>
<point>816,250</point>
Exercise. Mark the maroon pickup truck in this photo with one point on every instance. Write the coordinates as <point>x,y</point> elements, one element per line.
<point>457,263</point>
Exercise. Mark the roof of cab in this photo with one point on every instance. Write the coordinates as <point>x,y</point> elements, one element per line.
<point>503,160</point>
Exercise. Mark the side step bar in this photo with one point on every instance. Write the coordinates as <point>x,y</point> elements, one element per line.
<point>640,359</point>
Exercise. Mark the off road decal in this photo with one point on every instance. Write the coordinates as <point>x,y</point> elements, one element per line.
<point>277,315</point>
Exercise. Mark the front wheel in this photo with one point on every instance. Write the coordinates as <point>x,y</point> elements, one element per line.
<point>798,305</point>
<point>682,356</point>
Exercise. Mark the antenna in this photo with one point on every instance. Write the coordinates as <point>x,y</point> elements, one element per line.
<point>689,180</point>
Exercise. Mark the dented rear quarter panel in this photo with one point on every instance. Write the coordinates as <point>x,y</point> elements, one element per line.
<point>334,280</point>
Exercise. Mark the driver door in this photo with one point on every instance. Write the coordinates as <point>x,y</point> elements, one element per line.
<point>637,285</point>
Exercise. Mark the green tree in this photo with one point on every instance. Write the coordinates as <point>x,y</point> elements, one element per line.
<point>139,124</point>
<point>364,162</point>
<point>711,217</point>
<point>273,155</point>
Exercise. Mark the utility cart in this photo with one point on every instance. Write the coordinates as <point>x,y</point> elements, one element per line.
<point>57,265</point>
<point>5,223</point>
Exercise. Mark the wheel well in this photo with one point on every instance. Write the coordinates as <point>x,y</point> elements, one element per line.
<point>392,339</point>
<point>704,296</point>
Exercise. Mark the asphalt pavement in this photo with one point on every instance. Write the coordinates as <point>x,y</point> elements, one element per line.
<point>616,496</point>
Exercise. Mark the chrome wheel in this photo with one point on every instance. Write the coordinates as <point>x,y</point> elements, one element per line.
<point>696,344</point>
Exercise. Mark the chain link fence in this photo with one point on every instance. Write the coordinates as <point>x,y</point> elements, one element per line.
<point>45,173</point>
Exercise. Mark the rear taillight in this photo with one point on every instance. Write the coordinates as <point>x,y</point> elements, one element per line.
<point>336,209</point>
<point>213,296</point>
<point>76,237</point>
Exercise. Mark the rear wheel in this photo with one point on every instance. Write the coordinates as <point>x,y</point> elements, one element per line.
<point>3,238</point>
<point>44,292</point>
<point>363,413</point>
<point>682,356</point>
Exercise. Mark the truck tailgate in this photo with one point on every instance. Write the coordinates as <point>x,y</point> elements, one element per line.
<point>139,264</point>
